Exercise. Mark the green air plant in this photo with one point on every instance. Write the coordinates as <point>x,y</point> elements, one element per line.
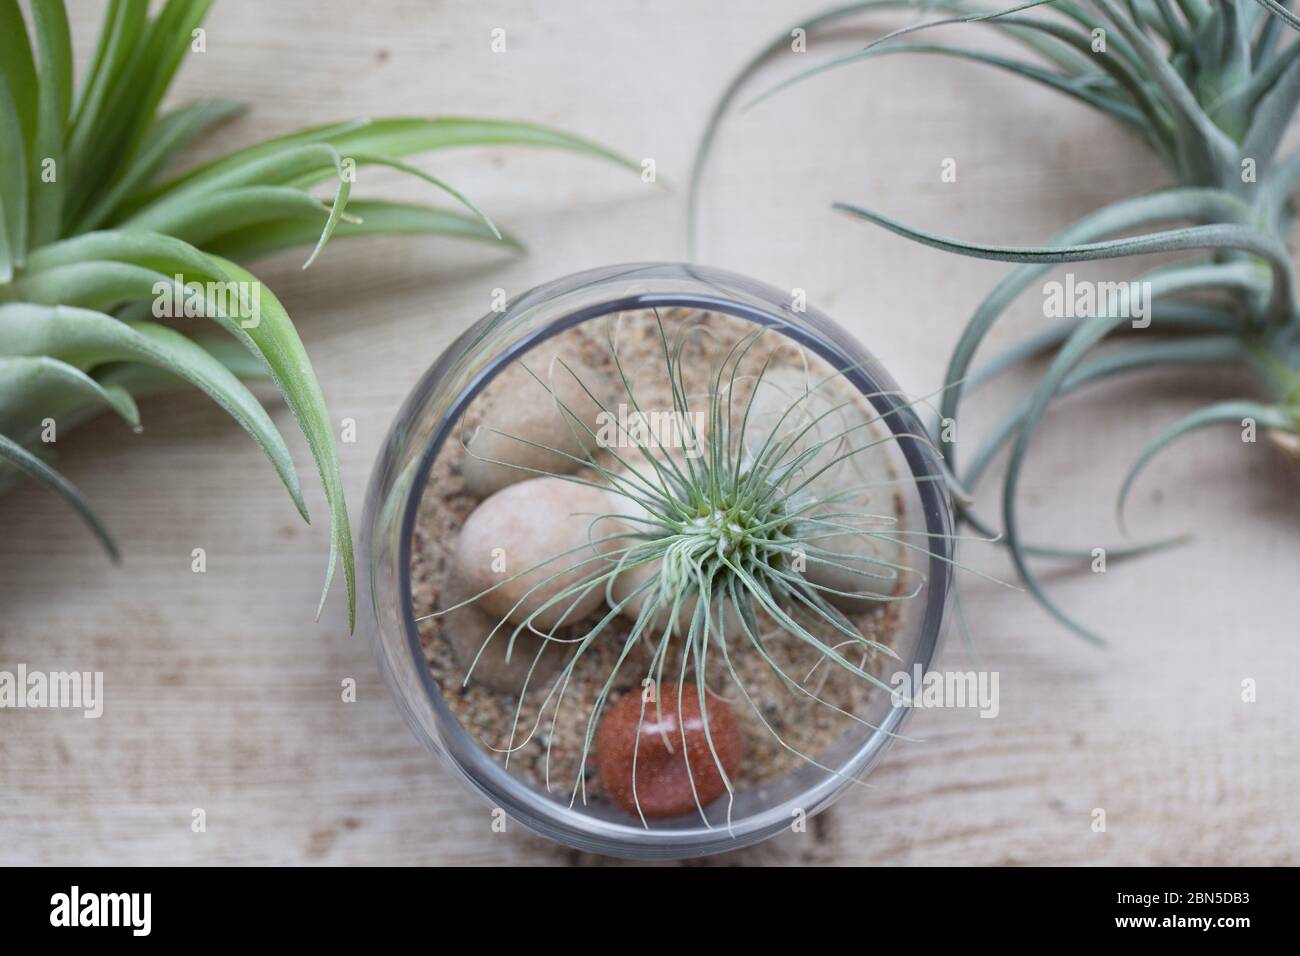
<point>92,238</point>
<point>713,542</point>
<point>1210,87</point>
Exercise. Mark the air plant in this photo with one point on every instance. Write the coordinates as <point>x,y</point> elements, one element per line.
<point>714,544</point>
<point>1209,87</point>
<point>91,236</point>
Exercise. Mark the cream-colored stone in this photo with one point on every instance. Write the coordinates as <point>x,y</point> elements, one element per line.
<point>540,526</point>
<point>852,474</point>
<point>468,629</point>
<point>525,411</point>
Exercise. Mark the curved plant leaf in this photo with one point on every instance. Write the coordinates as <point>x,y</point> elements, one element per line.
<point>86,339</point>
<point>1216,97</point>
<point>1232,412</point>
<point>1139,212</point>
<point>171,134</point>
<point>1281,12</point>
<point>1091,331</point>
<point>393,138</point>
<point>13,189</point>
<point>91,160</point>
<point>367,218</point>
<point>18,456</point>
<point>54,44</point>
<point>1071,86</point>
<point>121,266</point>
<point>32,385</point>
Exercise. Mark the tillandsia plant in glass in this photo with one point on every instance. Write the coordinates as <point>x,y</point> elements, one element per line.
<point>1210,87</point>
<point>647,552</point>
<point>96,242</point>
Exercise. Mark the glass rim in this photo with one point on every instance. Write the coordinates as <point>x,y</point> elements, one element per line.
<point>535,809</point>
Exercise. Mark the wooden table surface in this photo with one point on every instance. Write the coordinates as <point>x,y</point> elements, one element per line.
<point>221,692</point>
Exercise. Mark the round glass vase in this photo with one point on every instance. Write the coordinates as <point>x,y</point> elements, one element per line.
<point>428,418</point>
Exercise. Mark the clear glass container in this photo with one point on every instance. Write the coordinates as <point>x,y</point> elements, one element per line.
<point>428,418</point>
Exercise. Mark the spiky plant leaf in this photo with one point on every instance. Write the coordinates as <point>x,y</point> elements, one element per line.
<point>91,237</point>
<point>1216,87</point>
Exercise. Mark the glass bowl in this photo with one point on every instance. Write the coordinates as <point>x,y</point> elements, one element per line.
<point>429,417</point>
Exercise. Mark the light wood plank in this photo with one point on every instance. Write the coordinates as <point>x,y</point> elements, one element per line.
<point>223,694</point>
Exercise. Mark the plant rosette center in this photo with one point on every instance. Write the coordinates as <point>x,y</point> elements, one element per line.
<point>726,535</point>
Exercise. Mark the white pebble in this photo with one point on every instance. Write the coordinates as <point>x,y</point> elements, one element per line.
<point>859,510</point>
<point>523,410</point>
<point>531,525</point>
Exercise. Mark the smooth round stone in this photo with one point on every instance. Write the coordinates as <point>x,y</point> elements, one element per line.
<point>528,527</point>
<point>467,629</point>
<point>663,778</point>
<point>521,407</point>
<point>874,508</point>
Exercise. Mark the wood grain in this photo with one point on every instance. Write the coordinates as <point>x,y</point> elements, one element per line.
<point>222,693</point>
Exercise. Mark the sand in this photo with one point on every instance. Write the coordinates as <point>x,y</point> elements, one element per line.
<point>489,715</point>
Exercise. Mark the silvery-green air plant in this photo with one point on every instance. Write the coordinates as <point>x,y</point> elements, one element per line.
<point>719,535</point>
<point>1210,87</point>
<point>93,228</point>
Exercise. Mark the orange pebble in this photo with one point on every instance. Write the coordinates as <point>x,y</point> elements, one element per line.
<point>663,784</point>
